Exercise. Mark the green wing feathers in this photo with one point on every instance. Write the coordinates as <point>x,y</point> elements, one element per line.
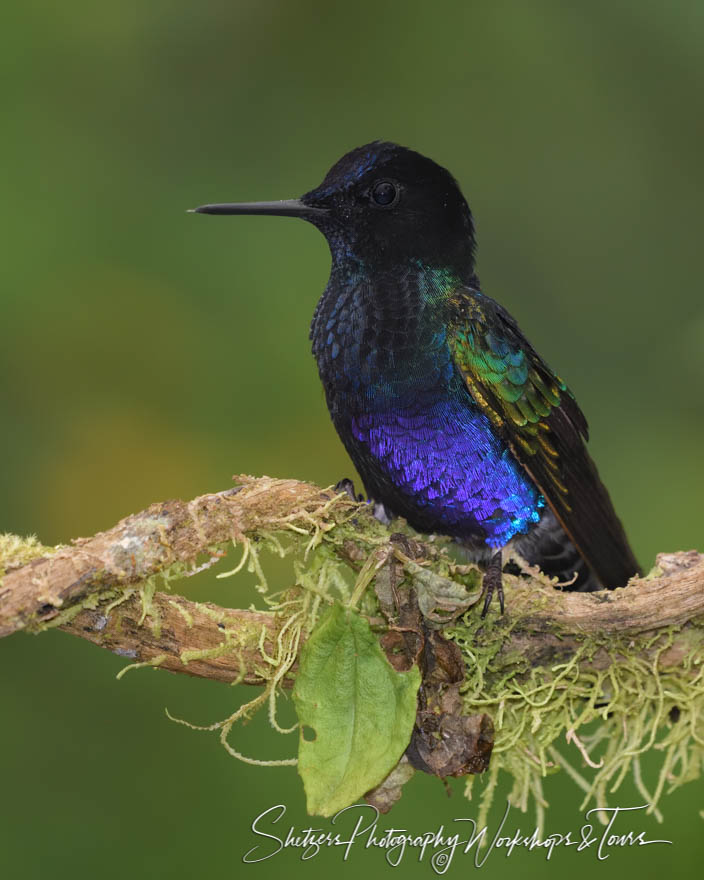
<point>537,415</point>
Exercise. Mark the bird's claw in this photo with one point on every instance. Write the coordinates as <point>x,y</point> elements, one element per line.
<point>381,512</point>
<point>493,582</point>
<point>346,485</point>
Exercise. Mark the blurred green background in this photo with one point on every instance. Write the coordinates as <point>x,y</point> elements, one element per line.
<point>148,354</point>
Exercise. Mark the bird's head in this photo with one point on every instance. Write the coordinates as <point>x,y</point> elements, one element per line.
<point>385,205</point>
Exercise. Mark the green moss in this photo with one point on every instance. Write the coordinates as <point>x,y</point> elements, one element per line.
<point>562,712</point>
<point>154,663</point>
<point>16,551</point>
<point>568,715</point>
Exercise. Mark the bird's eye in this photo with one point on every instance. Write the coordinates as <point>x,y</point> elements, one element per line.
<point>384,194</point>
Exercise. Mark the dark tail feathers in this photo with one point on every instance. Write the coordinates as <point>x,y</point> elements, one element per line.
<point>549,547</point>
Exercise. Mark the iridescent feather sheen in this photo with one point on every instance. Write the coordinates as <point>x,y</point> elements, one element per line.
<point>451,417</point>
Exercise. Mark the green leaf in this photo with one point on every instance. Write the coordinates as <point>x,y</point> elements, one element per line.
<point>356,712</point>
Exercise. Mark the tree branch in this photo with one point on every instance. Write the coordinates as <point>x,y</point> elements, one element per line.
<point>198,639</point>
<point>95,589</point>
<point>166,537</point>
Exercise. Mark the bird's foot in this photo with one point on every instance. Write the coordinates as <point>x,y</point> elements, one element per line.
<point>381,512</point>
<point>346,485</point>
<point>492,581</point>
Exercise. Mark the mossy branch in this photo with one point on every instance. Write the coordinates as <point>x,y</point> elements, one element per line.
<point>556,661</point>
<point>44,585</point>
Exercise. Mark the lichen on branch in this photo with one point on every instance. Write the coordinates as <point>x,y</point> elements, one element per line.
<point>584,683</point>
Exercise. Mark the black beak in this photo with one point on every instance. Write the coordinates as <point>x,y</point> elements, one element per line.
<point>285,208</point>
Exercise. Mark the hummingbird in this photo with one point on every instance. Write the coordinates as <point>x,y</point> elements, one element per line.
<point>450,416</point>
